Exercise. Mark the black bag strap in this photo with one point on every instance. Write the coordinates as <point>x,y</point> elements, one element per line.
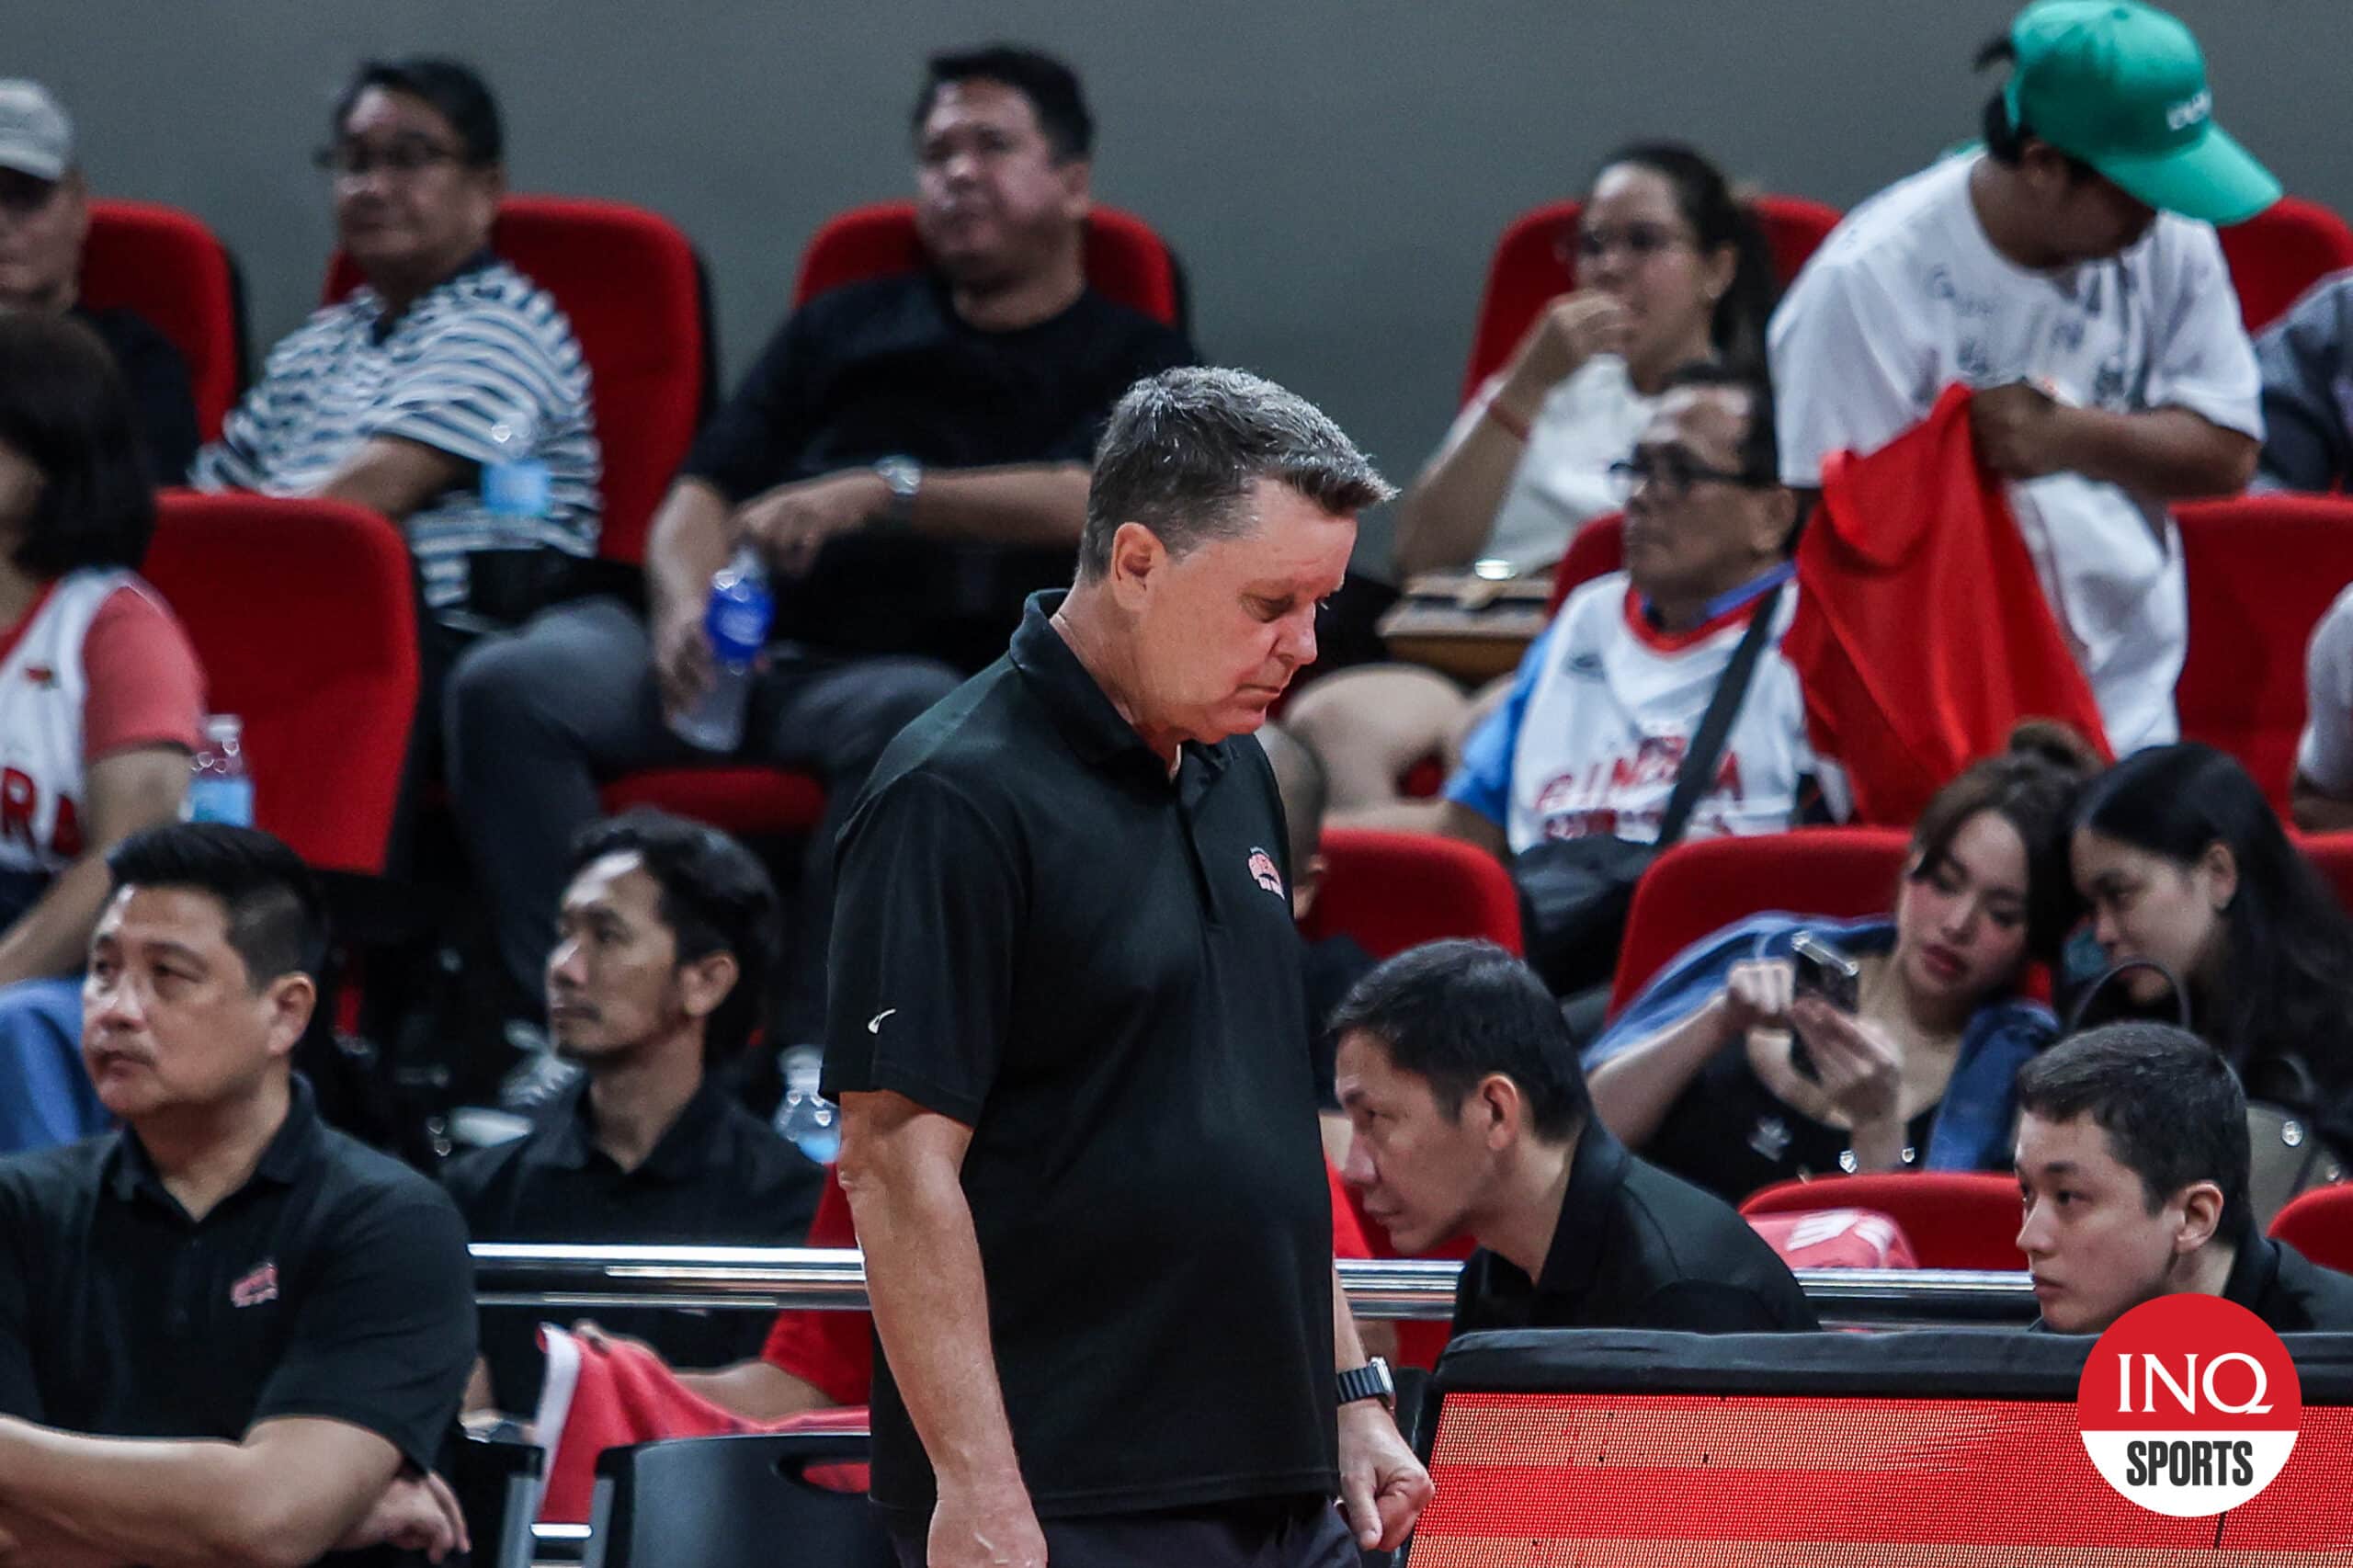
<point>1715,725</point>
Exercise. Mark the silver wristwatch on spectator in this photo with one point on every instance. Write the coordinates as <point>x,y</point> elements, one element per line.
<point>903,476</point>
<point>1371,1381</point>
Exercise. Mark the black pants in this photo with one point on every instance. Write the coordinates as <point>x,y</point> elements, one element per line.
<point>1265,1532</point>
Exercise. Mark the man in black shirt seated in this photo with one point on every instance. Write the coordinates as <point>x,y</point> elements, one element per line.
<point>664,943</point>
<point>44,218</point>
<point>1461,1080</point>
<point>908,457</point>
<point>228,1334</point>
<point>2132,1158</point>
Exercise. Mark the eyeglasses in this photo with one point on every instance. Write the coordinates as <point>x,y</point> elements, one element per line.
<point>22,195</point>
<point>1639,241</point>
<point>355,160</point>
<point>1673,475</point>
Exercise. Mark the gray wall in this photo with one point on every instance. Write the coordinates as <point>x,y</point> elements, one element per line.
<point>1333,172</point>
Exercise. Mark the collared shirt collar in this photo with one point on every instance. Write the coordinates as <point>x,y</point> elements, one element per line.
<point>1082,708</point>
<point>566,1138</point>
<point>2254,1271</point>
<point>382,326</point>
<point>1723,604</point>
<point>293,1150</point>
<point>1597,1169</point>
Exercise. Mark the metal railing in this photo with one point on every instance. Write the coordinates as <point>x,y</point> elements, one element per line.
<point>546,1275</point>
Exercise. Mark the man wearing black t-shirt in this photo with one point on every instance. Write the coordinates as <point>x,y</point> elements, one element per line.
<point>1068,1037</point>
<point>908,456</point>
<point>1469,1114</point>
<point>228,1334</point>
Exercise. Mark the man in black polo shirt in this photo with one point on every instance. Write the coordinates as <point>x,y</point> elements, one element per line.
<point>284,1316</point>
<point>1068,1037</point>
<point>1461,1081</point>
<point>664,943</point>
<point>2132,1157</point>
<point>907,457</point>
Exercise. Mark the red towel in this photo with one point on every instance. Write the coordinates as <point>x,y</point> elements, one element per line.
<point>596,1399</point>
<point>1923,636</point>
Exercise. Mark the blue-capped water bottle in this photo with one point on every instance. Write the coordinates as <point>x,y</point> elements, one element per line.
<point>737,624</point>
<point>218,788</point>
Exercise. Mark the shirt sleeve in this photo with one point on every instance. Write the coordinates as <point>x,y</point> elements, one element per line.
<point>2325,752</point>
<point>1483,781</point>
<point>384,1338</point>
<point>230,462</point>
<point>2301,361</point>
<point>1845,376</point>
<point>483,386</point>
<point>751,442</point>
<point>928,904</point>
<point>2205,363</point>
<point>833,1352</point>
<point>20,1390</point>
<point>147,689</point>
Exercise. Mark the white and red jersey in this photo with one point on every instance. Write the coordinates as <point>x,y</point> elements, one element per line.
<point>98,666</point>
<point>1603,708</point>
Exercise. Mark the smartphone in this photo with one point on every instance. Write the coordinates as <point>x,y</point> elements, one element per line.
<point>1821,971</point>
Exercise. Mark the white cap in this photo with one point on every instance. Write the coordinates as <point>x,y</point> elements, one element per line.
<point>36,138</point>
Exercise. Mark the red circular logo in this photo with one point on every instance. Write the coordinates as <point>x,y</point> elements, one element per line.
<point>2190,1405</point>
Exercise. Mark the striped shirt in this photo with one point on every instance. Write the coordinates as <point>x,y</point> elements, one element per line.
<point>483,367</point>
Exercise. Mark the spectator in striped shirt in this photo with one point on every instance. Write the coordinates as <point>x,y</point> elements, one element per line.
<point>447,393</point>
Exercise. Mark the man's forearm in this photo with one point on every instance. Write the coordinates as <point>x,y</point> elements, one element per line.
<point>53,937</point>
<point>1347,1346</point>
<point>1038,504</point>
<point>757,1391</point>
<point>2168,453</point>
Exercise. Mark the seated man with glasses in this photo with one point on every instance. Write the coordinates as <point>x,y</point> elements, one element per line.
<point>447,391</point>
<point>1608,698</point>
<point>44,219</point>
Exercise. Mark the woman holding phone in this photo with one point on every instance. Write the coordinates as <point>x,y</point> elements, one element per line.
<point>1786,1046</point>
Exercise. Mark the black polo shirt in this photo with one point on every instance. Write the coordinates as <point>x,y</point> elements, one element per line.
<point>719,1176</point>
<point>1637,1248</point>
<point>334,1283</point>
<point>2289,1290</point>
<point>1042,934</point>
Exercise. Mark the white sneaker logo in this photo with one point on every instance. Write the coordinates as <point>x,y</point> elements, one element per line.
<point>874,1024</point>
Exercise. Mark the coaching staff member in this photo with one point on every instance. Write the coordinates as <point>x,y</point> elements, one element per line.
<point>1079,1131</point>
<point>229,1335</point>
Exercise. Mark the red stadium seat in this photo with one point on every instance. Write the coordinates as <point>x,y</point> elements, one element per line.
<point>1598,549</point>
<point>304,616</point>
<point>2318,1224</point>
<point>166,265</point>
<point>1394,891</point>
<point>1953,1218</point>
<point>2262,570</point>
<point>634,290</point>
<point>2332,854</point>
<point>1527,269</point>
<point>1702,886</point>
<point>2277,255</point>
<point>1126,261</point>
<point>750,802</point>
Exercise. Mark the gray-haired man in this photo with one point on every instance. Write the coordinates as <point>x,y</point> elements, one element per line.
<point>1079,1127</point>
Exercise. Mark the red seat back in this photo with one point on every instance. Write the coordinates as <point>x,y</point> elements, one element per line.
<point>1394,891</point>
<point>1528,269</point>
<point>2318,1224</point>
<point>2332,855</point>
<point>2279,252</point>
<point>1596,551</point>
<point>1126,261</point>
<point>1703,886</point>
<point>2262,570</point>
<point>1953,1218</point>
<point>303,614</point>
<point>166,265</point>
<point>629,282</point>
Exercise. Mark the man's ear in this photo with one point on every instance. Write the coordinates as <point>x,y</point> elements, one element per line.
<point>2202,1215</point>
<point>1136,555</point>
<point>1306,881</point>
<point>1077,177</point>
<point>290,999</point>
<point>707,981</point>
<point>1501,1111</point>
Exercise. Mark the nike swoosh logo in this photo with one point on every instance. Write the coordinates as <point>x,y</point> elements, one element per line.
<point>874,1024</point>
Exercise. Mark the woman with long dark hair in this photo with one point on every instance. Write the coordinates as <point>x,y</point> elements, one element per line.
<point>2186,866</point>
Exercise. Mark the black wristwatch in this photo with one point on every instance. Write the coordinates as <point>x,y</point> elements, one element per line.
<point>1371,1381</point>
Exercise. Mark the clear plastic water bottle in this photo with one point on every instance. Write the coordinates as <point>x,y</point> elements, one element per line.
<point>737,624</point>
<point>805,1117</point>
<point>220,789</point>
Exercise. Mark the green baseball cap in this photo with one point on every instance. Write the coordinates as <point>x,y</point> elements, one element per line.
<point>2122,86</point>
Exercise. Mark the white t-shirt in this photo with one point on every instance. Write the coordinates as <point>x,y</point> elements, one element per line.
<point>2325,753</point>
<point>1908,295</point>
<point>1589,420</point>
<point>1604,708</point>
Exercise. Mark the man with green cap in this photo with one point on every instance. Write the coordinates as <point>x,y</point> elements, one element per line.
<point>2069,272</point>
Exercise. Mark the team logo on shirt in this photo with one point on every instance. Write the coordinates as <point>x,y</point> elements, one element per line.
<point>255,1289</point>
<point>1262,871</point>
<point>41,676</point>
